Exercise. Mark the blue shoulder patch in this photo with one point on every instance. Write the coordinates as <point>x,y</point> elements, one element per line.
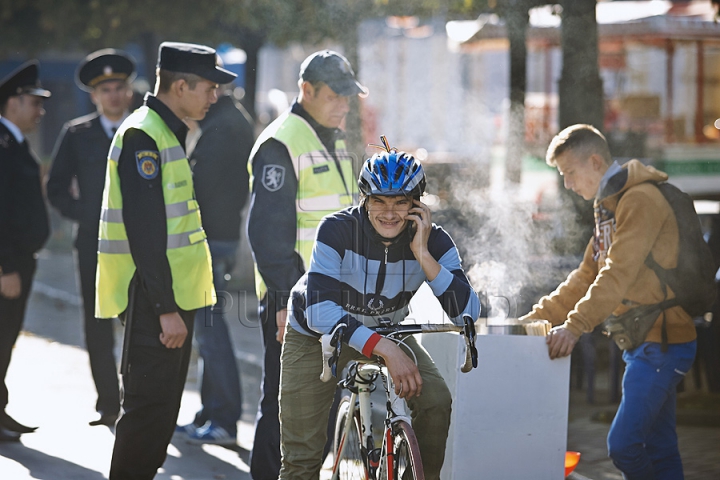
<point>147,163</point>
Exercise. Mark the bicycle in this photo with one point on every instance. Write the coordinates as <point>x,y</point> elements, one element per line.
<point>357,455</point>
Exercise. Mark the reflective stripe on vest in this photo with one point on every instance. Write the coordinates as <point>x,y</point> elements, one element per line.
<point>114,215</point>
<point>322,187</point>
<point>187,251</point>
<point>177,240</point>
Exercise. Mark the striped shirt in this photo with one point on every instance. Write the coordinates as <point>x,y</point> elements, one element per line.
<point>355,279</point>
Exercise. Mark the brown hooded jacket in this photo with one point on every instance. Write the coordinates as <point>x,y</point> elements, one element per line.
<point>632,219</point>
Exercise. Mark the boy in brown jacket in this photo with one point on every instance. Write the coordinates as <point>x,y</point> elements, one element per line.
<point>632,219</point>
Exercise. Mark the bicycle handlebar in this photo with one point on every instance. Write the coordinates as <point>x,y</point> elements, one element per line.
<point>332,342</point>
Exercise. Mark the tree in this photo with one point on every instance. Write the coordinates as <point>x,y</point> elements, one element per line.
<point>32,26</point>
<point>580,87</point>
<point>517,19</point>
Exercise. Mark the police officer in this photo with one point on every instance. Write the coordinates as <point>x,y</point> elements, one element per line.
<point>24,224</point>
<point>300,172</point>
<point>81,155</point>
<point>153,260</point>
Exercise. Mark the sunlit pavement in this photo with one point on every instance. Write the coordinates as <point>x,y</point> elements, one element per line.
<point>50,386</point>
<point>53,390</point>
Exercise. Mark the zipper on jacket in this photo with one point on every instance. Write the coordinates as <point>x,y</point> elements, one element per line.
<point>379,284</point>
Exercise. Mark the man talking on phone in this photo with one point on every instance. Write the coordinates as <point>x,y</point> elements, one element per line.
<point>366,265</point>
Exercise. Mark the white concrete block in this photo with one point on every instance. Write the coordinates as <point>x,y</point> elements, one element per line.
<point>510,415</point>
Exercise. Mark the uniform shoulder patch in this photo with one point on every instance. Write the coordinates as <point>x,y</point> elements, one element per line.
<point>147,163</point>
<point>273,177</point>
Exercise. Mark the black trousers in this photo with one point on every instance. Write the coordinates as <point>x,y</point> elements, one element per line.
<point>265,455</point>
<point>152,390</point>
<point>265,458</point>
<point>12,314</point>
<point>99,336</point>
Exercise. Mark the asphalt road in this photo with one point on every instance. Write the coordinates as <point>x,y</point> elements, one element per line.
<point>50,386</point>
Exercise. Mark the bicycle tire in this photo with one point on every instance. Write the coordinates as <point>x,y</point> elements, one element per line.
<point>353,464</point>
<point>406,462</point>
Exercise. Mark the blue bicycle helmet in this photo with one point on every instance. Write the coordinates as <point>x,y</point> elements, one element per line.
<point>392,173</point>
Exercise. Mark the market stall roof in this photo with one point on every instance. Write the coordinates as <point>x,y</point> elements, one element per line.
<point>639,20</point>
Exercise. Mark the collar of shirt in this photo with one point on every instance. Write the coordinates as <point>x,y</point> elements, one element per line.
<point>111,127</point>
<point>612,170</point>
<point>326,135</point>
<point>13,129</point>
<point>177,126</point>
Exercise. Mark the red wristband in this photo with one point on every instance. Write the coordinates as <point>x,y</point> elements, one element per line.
<point>370,344</point>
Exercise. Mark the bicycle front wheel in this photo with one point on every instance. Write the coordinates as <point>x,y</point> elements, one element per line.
<point>405,463</point>
<point>351,465</point>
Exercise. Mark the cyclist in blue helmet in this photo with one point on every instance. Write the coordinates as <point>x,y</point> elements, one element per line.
<point>367,263</point>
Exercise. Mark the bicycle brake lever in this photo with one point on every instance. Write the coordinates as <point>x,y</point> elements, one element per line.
<point>336,341</point>
<point>331,347</point>
<point>471,355</point>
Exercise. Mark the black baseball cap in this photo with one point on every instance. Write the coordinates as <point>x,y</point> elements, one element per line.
<point>334,70</point>
<point>23,80</point>
<point>103,66</point>
<point>191,58</point>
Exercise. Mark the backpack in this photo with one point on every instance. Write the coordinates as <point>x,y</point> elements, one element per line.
<point>693,279</point>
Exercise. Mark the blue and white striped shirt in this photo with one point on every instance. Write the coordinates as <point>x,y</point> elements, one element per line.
<point>355,279</point>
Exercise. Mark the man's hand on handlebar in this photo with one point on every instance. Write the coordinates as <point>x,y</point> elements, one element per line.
<point>402,369</point>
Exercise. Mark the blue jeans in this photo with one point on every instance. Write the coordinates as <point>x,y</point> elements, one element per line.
<point>642,441</point>
<point>220,385</point>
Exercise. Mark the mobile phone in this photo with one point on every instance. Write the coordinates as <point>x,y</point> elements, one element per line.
<point>412,226</point>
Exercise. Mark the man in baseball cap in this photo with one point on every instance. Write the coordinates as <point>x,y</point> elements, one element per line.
<point>299,159</point>
<point>154,267</point>
<point>334,70</point>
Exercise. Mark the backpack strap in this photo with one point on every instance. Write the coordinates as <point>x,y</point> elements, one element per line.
<point>660,273</point>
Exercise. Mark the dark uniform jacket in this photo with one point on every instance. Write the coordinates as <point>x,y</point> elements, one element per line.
<point>144,211</point>
<point>81,152</point>
<point>273,242</point>
<point>24,227</point>
<point>220,172</point>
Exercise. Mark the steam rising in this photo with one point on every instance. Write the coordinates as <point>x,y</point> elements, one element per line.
<point>512,255</point>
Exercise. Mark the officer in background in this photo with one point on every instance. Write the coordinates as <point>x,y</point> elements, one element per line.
<point>154,264</point>
<point>300,173</point>
<point>24,226</point>
<point>220,175</point>
<point>79,163</point>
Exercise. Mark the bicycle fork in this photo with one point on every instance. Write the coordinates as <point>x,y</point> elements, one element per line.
<point>361,401</point>
<point>397,411</point>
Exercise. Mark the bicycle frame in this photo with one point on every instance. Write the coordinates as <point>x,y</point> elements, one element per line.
<point>360,397</point>
<point>360,382</point>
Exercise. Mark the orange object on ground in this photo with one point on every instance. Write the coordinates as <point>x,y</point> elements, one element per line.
<point>571,461</point>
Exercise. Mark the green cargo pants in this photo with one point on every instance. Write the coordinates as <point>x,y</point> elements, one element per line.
<point>305,403</point>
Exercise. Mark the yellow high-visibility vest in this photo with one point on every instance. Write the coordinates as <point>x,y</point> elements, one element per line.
<point>187,250</point>
<point>322,187</point>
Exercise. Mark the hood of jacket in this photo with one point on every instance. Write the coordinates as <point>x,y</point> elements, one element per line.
<point>631,174</point>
